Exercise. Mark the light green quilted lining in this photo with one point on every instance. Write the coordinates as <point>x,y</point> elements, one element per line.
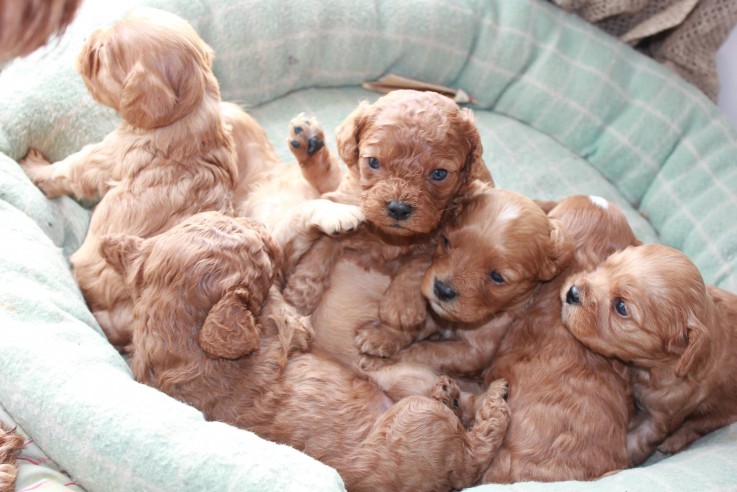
<point>562,109</point>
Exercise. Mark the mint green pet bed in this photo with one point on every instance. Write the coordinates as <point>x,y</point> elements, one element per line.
<point>561,107</point>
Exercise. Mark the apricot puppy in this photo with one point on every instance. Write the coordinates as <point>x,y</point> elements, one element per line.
<point>169,158</point>
<point>649,307</point>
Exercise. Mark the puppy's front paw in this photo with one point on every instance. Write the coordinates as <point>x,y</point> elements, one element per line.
<point>407,310</point>
<point>447,392</point>
<point>38,169</point>
<point>370,363</point>
<point>492,414</point>
<point>677,441</point>
<point>381,341</point>
<point>336,218</point>
<point>306,138</point>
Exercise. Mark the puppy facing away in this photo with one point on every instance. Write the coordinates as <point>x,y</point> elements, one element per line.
<point>412,159</point>
<point>648,306</point>
<point>570,406</point>
<point>26,26</point>
<point>11,444</point>
<point>486,271</point>
<point>221,269</point>
<point>169,158</point>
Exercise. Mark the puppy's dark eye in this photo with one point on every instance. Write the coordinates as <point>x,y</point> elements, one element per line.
<point>446,243</point>
<point>373,162</point>
<point>496,277</point>
<point>620,307</point>
<point>438,174</point>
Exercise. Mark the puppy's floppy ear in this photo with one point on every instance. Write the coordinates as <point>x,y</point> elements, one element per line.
<point>118,250</point>
<point>147,101</point>
<point>693,345</point>
<point>348,134</point>
<point>230,330</point>
<point>475,167</point>
<point>560,251</point>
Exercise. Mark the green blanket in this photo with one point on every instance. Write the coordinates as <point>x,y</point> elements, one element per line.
<point>561,107</point>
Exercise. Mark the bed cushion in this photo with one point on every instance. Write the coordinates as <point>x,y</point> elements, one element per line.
<point>562,109</point>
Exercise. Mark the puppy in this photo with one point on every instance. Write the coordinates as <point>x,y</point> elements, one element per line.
<point>412,158</point>
<point>485,272</point>
<point>570,406</point>
<point>648,306</point>
<point>11,444</point>
<point>221,269</point>
<point>170,157</point>
<point>26,26</point>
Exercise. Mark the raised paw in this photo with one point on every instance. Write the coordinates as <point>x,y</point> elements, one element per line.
<point>381,341</point>
<point>447,392</point>
<point>335,218</point>
<point>306,138</point>
<point>370,363</point>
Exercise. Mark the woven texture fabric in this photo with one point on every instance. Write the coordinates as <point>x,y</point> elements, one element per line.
<point>682,34</point>
<point>562,109</point>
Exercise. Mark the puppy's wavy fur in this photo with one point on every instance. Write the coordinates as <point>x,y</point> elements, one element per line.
<point>170,157</point>
<point>11,444</point>
<point>26,26</point>
<point>412,158</point>
<point>570,405</point>
<point>202,284</point>
<point>485,272</point>
<point>649,307</point>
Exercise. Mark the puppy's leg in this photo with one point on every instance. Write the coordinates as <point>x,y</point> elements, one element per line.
<point>690,431</point>
<point>294,330</point>
<point>310,278</point>
<point>307,142</point>
<point>648,429</point>
<point>85,174</point>
<point>403,306</point>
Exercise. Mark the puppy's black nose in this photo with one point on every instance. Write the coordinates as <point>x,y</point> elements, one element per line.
<point>573,296</point>
<point>443,291</point>
<point>399,210</point>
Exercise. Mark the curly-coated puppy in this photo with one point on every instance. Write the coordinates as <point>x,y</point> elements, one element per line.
<point>649,307</point>
<point>169,158</point>
<point>11,444</point>
<point>570,405</point>
<point>26,26</point>
<point>412,159</point>
<point>485,272</point>
<point>221,270</point>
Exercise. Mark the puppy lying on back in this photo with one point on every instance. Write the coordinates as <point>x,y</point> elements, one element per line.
<point>570,406</point>
<point>169,158</point>
<point>412,158</point>
<point>222,270</point>
<point>485,272</point>
<point>649,307</point>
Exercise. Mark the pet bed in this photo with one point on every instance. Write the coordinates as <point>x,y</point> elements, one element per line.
<point>562,109</point>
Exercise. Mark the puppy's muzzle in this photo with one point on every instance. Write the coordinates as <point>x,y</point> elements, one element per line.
<point>443,291</point>
<point>399,210</point>
<point>573,296</point>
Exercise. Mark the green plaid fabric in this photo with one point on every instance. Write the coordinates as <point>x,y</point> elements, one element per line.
<point>562,109</point>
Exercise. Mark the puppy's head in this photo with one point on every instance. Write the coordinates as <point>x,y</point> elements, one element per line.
<point>492,259</point>
<point>413,153</point>
<point>205,279</point>
<point>646,305</point>
<point>151,67</point>
<point>597,227</point>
